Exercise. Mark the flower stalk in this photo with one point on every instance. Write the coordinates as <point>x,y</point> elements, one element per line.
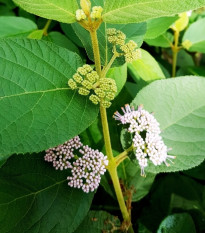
<point>112,167</point>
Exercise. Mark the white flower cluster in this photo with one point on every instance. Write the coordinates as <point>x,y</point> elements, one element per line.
<point>60,155</point>
<point>86,170</point>
<point>147,142</point>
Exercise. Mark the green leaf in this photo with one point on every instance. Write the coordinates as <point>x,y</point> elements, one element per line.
<point>196,35</point>
<point>37,35</point>
<point>179,107</point>
<point>38,110</point>
<point>184,59</point>
<point>61,40</point>
<point>98,222</point>
<point>177,223</point>
<point>119,74</point>
<point>164,41</point>
<point>34,197</point>
<point>130,173</point>
<point>62,11</point>
<point>134,11</point>
<point>200,71</point>
<point>197,172</point>
<point>15,26</point>
<point>5,11</point>
<point>146,67</point>
<point>8,3</point>
<point>158,26</point>
<point>69,32</point>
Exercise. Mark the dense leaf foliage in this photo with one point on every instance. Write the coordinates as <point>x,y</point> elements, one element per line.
<point>108,71</point>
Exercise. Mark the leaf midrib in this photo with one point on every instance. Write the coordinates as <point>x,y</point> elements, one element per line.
<point>34,193</point>
<point>35,92</point>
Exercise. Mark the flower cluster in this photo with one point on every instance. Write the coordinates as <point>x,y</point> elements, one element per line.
<point>147,142</point>
<point>87,170</point>
<point>87,81</point>
<point>129,50</point>
<point>116,37</point>
<point>95,14</point>
<point>60,155</point>
<point>87,165</point>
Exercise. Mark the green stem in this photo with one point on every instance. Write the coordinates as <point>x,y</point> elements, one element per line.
<point>112,167</point>
<point>105,70</point>
<point>175,51</point>
<point>45,29</point>
<point>123,155</point>
<point>93,35</point>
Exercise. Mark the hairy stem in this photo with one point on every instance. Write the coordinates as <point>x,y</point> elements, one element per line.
<point>112,167</point>
<point>175,50</point>
<point>96,51</point>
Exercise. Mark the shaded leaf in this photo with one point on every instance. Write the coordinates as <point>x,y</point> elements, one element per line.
<point>177,223</point>
<point>34,197</point>
<point>98,222</point>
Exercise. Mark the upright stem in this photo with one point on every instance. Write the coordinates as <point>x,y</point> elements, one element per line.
<point>175,51</point>
<point>96,51</point>
<point>106,133</point>
<point>112,167</point>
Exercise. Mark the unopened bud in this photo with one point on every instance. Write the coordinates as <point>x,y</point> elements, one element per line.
<point>86,6</point>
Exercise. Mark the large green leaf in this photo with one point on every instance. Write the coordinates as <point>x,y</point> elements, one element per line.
<point>34,197</point>
<point>15,26</point>
<point>38,110</point>
<point>63,11</point>
<point>177,223</point>
<point>146,67</point>
<point>196,35</point>
<point>179,107</point>
<point>98,222</point>
<point>133,11</point>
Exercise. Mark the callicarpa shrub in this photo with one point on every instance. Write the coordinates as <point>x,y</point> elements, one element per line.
<point>102,116</point>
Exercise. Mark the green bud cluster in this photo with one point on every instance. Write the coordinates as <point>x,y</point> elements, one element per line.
<point>131,52</point>
<point>87,81</point>
<point>96,13</point>
<point>104,92</point>
<point>116,37</point>
<point>83,80</point>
